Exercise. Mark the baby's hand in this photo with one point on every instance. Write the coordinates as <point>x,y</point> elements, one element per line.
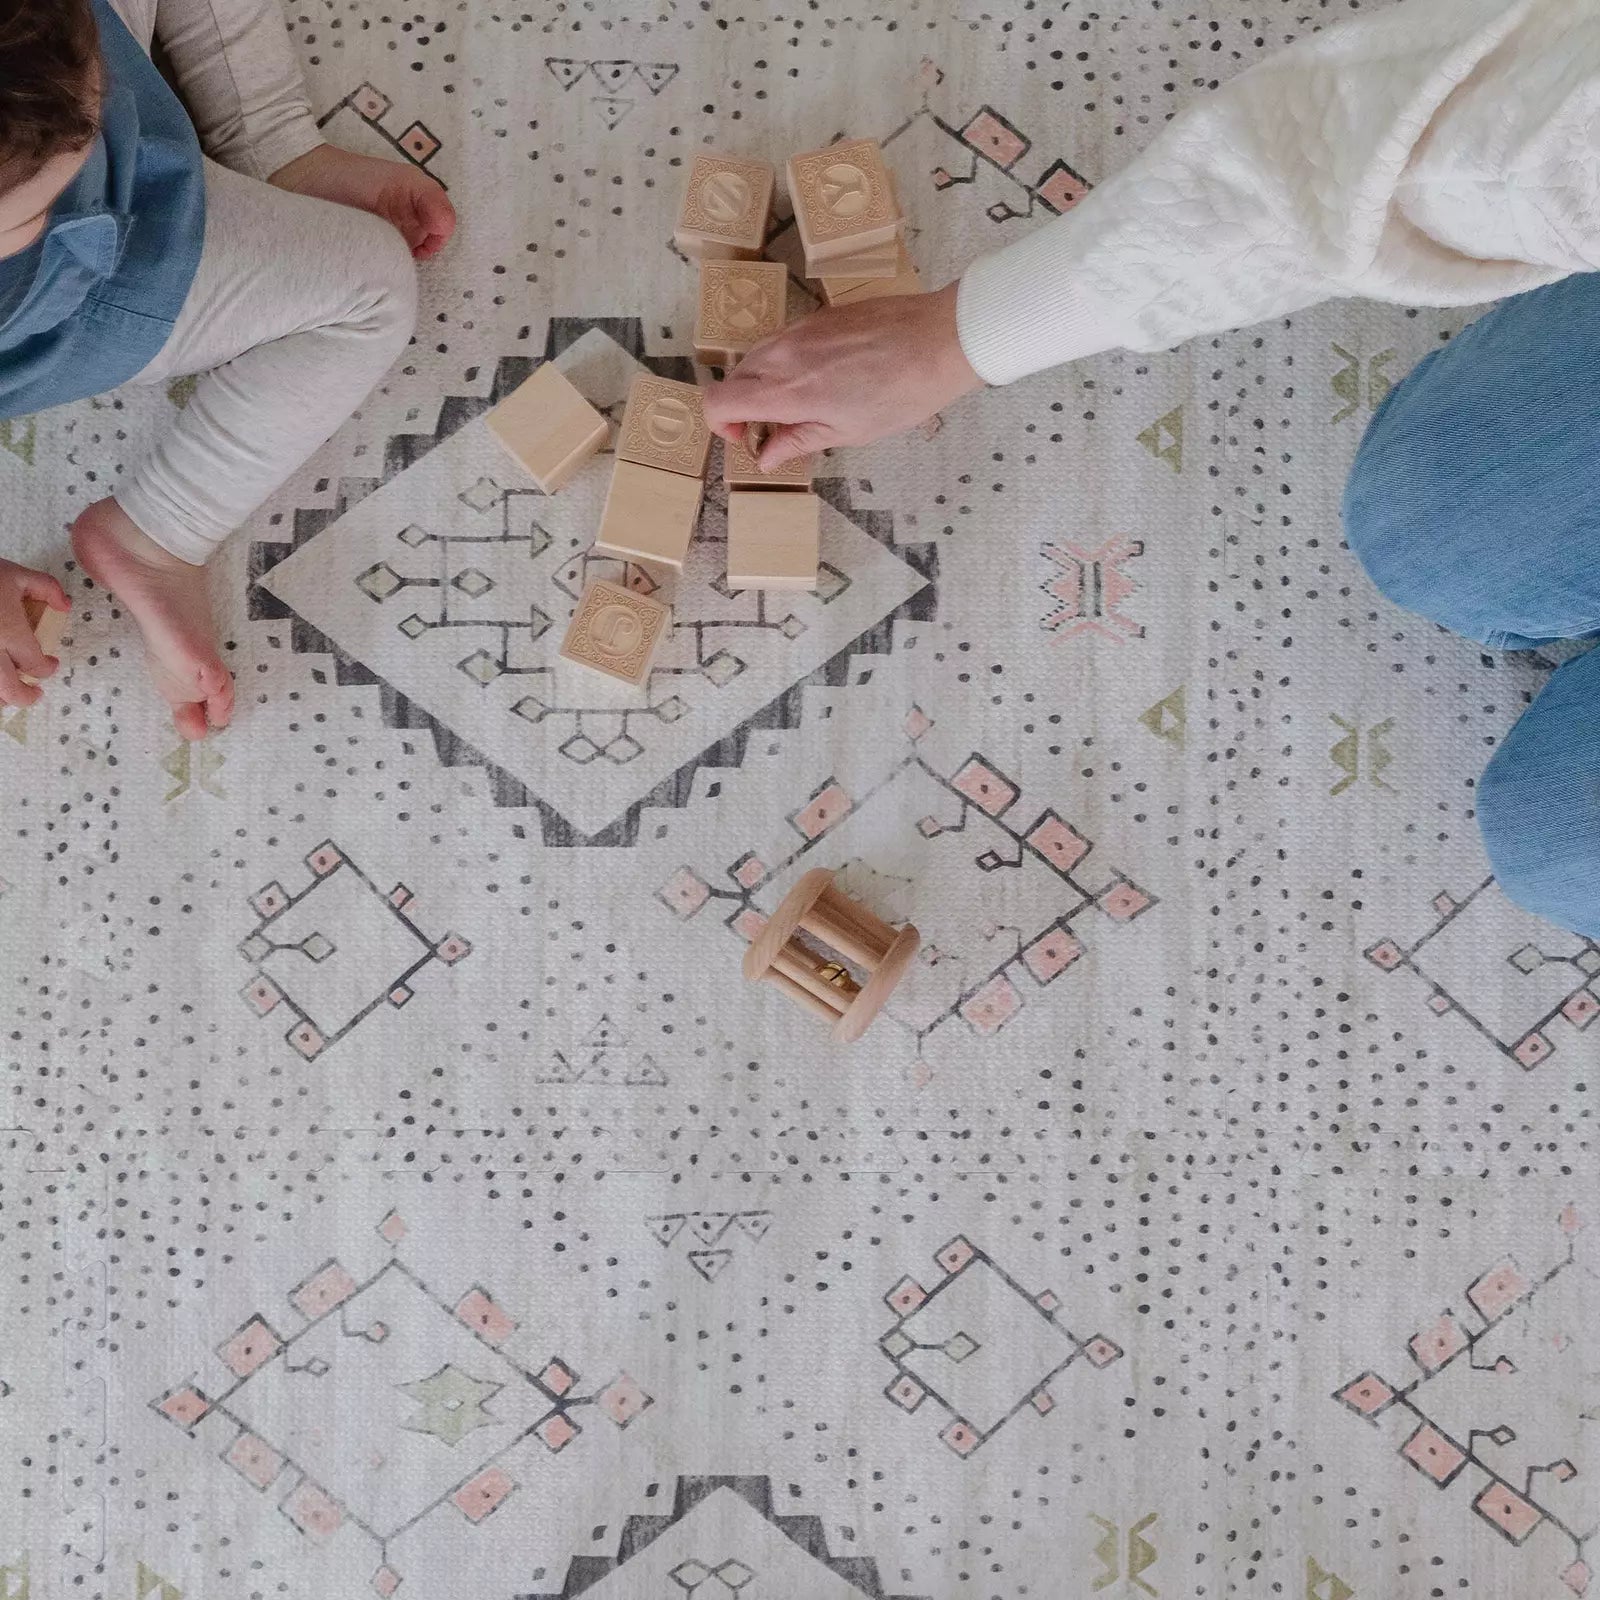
<point>403,195</point>
<point>20,654</point>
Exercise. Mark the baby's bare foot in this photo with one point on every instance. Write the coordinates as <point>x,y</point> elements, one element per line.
<point>167,598</point>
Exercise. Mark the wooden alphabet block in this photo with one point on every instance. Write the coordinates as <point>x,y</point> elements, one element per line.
<point>47,625</point>
<point>739,470</point>
<point>840,291</point>
<point>664,426</point>
<point>844,200</point>
<point>616,631</point>
<point>773,539</point>
<point>650,515</point>
<point>725,208</point>
<point>741,303</point>
<point>548,427</point>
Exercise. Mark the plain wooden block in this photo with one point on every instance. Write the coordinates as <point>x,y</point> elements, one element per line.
<point>47,624</point>
<point>773,539</point>
<point>844,200</point>
<point>843,291</point>
<point>616,631</point>
<point>725,208</point>
<point>664,426</point>
<point>739,470</point>
<point>882,262</point>
<point>548,427</point>
<point>741,303</point>
<point>650,515</point>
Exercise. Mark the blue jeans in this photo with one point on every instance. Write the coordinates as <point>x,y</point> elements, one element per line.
<point>1475,501</point>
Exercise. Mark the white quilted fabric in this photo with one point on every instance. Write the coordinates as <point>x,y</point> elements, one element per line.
<point>1440,152</point>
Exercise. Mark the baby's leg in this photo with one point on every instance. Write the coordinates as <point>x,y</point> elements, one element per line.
<point>299,307</point>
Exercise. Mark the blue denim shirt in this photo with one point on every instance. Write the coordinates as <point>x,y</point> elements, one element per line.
<point>91,302</point>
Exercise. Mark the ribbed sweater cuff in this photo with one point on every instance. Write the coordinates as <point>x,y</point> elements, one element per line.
<point>1018,312</point>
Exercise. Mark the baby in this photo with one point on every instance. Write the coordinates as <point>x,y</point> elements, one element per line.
<point>274,266</point>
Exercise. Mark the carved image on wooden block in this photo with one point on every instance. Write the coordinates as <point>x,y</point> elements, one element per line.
<point>664,426</point>
<point>616,631</point>
<point>773,539</point>
<point>843,199</point>
<point>649,514</point>
<point>741,303</point>
<point>548,427</point>
<point>725,208</point>
<point>739,470</point>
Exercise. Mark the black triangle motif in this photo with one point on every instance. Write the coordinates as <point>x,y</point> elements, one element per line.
<point>709,1263</point>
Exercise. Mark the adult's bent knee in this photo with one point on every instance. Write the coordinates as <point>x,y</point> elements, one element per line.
<point>1401,515</point>
<point>1539,802</point>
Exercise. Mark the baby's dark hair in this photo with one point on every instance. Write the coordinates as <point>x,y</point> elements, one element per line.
<point>49,50</point>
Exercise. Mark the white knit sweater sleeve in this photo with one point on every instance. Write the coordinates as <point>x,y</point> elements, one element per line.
<point>1437,152</point>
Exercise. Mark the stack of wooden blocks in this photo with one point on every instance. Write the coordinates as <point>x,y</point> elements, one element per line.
<point>847,210</point>
<point>849,220</point>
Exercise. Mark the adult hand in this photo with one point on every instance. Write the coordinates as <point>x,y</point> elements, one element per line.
<point>846,376</point>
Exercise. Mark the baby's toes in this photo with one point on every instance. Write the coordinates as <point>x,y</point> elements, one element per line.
<point>190,721</point>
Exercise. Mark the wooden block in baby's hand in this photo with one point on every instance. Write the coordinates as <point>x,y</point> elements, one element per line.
<point>773,539</point>
<point>616,631</point>
<point>844,199</point>
<point>47,624</point>
<point>725,208</point>
<point>741,303</point>
<point>650,515</point>
<point>664,426</point>
<point>739,470</point>
<point>842,291</point>
<point>549,427</point>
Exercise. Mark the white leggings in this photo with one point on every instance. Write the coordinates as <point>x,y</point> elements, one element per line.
<point>298,307</point>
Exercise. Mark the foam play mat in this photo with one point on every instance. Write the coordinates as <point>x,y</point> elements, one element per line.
<point>402,1191</point>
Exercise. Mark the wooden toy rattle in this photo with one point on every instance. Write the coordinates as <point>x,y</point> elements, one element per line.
<point>824,982</point>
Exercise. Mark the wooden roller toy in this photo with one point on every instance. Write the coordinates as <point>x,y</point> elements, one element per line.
<point>822,982</point>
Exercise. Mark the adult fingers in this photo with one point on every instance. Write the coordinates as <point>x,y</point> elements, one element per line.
<point>791,441</point>
<point>750,394</point>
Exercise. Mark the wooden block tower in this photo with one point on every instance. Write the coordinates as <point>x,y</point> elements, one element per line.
<point>654,502</point>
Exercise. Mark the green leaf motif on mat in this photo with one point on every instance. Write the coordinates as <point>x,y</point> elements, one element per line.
<point>18,437</point>
<point>180,391</point>
<point>14,1581</point>
<point>147,1582</point>
<point>194,766</point>
<point>1346,754</point>
<point>1324,1585</point>
<point>1168,719</point>
<point>1346,382</point>
<point>452,1404</point>
<point>1164,438</point>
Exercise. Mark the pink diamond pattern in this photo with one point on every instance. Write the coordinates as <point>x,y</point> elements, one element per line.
<point>477,1499</point>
